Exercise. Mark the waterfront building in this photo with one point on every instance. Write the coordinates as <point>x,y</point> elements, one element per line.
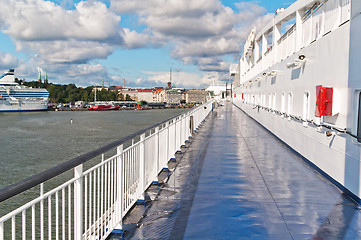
<point>115,88</point>
<point>196,96</point>
<point>133,94</point>
<point>145,95</point>
<point>99,88</point>
<point>175,95</point>
<point>159,95</point>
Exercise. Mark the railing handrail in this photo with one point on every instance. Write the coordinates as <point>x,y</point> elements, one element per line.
<point>23,185</point>
<point>287,34</point>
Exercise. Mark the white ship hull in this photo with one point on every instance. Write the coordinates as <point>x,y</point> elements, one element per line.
<point>19,106</point>
<point>282,96</point>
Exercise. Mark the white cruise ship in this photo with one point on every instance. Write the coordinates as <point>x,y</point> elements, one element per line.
<point>300,77</point>
<point>15,97</point>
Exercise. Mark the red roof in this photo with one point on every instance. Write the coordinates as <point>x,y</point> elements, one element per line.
<point>117,87</point>
<point>145,90</point>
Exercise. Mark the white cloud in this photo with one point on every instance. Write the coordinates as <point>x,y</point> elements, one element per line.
<point>179,79</point>
<point>162,7</point>
<point>66,42</point>
<point>43,20</point>
<point>56,35</point>
<point>80,74</point>
<point>210,47</point>
<point>133,39</point>
<point>180,18</point>
<point>70,51</point>
<point>8,61</point>
<point>196,30</point>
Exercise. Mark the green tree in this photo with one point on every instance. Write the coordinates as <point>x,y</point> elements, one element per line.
<point>128,98</point>
<point>70,93</point>
<point>84,96</point>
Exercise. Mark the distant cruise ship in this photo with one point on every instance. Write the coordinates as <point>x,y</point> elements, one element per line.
<point>15,97</point>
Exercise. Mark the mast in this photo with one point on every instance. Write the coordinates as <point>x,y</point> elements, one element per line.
<point>170,78</point>
<point>95,95</point>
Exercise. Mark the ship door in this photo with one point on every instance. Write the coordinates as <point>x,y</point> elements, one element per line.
<point>359,118</point>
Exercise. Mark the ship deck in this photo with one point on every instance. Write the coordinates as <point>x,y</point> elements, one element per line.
<point>238,181</point>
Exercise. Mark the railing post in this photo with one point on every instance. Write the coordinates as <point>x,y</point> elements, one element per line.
<point>299,30</point>
<point>42,211</point>
<point>78,202</point>
<point>157,149</point>
<point>119,189</point>
<point>191,124</point>
<point>180,132</point>
<point>175,137</point>
<point>142,166</point>
<point>184,118</point>
<point>167,141</point>
<point>1,231</point>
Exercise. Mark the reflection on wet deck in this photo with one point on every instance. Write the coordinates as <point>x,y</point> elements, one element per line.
<point>237,181</point>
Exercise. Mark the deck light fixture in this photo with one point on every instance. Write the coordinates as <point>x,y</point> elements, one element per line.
<point>272,73</point>
<point>301,57</point>
<point>299,62</point>
<point>330,134</point>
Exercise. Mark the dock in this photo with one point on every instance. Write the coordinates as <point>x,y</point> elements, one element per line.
<point>238,181</point>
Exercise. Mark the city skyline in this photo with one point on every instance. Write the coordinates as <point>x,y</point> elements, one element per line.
<point>84,42</point>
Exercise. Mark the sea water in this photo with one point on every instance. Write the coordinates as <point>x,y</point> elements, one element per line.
<point>31,142</point>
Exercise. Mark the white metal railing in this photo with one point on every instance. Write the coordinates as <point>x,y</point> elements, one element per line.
<point>94,202</point>
<point>287,43</point>
<point>319,20</point>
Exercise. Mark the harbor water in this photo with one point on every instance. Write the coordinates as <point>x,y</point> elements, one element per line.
<point>32,142</point>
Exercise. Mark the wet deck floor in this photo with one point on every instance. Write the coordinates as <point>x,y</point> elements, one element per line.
<point>237,181</point>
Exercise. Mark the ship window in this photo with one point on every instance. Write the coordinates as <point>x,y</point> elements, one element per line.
<point>283,103</point>
<point>274,101</point>
<point>306,105</point>
<point>306,108</point>
<point>270,101</point>
<point>259,44</point>
<point>269,37</point>
<point>359,118</point>
<point>289,104</point>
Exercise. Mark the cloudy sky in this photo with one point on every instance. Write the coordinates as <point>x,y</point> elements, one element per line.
<point>84,42</point>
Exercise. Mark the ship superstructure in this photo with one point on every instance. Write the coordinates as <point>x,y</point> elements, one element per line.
<point>300,78</point>
<point>15,97</point>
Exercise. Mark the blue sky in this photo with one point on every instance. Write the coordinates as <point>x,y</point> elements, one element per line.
<point>84,42</point>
